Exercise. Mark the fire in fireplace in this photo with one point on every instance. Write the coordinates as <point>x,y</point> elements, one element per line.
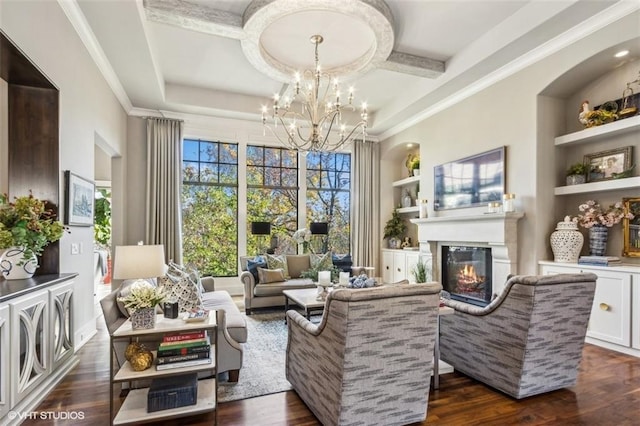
<point>466,273</point>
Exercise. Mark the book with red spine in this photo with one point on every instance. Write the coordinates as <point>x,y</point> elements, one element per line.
<point>186,335</point>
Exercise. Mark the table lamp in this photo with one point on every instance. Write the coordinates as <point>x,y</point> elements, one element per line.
<point>319,228</point>
<point>138,262</point>
<point>260,228</point>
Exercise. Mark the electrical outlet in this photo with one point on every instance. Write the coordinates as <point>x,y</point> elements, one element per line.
<point>75,248</point>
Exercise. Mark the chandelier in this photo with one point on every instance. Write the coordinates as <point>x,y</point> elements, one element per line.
<point>320,113</point>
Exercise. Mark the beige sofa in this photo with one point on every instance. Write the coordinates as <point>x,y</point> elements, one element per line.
<point>260,295</point>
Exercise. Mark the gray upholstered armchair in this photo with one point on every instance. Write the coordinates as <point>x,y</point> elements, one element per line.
<point>527,341</point>
<point>370,359</point>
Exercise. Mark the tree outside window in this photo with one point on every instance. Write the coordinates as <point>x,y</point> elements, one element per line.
<point>210,206</point>
<point>272,196</point>
<point>328,198</point>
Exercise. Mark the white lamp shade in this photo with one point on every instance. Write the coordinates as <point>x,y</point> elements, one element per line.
<point>132,262</point>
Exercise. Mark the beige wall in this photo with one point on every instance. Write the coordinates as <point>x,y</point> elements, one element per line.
<point>4,138</point>
<point>511,113</point>
<point>87,107</point>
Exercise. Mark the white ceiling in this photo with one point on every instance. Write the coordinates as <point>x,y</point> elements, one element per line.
<point>181,67</point>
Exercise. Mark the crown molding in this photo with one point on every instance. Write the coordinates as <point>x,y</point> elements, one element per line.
<point>584,29</point>
<point>80,24</point>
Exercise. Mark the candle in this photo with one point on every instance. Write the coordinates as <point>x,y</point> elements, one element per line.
<point>324,277</point>
<point>344,278</point>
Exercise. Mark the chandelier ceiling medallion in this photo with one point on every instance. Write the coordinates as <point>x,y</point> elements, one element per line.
<point>306,119</point>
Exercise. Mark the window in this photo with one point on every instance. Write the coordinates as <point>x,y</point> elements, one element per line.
<point>272,196</point>
<point>328,198</point>
<point>210,206</point>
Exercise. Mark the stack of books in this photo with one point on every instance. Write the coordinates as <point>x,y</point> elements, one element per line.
<point>184,350</point>
<point>599,260</point>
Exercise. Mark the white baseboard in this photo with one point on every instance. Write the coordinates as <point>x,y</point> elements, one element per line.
<point>84,334</point>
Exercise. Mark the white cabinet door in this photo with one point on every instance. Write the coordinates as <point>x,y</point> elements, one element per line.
<point>412,259</point>
<point>610,319</point>
<point>635,311</point>
<point>30,342</point>
<point>399,266</point>
<point>5,402</point>
<point>61,304</point>
<point>387,266</point>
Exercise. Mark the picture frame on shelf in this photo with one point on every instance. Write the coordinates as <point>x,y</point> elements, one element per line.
<point>79,200</point>
<point>471,181</point>
<point>611,164</point>
<point>631,228</point>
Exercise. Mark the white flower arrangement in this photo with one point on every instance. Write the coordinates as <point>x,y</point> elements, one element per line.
<point>302,235</point>
<point>143,295</point>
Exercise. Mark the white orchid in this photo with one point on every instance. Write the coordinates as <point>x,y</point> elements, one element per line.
<point>302,235</point>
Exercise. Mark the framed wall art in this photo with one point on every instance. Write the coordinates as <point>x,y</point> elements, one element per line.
<point>471,181</point>
<point>79,199</point>
<point>631,228</point>
<point>611,164</point>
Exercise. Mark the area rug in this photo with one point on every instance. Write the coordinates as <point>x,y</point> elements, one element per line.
<point>262,370</point>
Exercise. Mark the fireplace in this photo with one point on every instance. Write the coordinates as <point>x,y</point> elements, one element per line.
<point>467,273</point>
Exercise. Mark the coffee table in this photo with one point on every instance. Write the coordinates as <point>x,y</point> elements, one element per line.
<point>305,298</point>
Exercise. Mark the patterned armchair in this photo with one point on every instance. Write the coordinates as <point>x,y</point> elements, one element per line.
<point>370,359</point>
<point>528,340</point>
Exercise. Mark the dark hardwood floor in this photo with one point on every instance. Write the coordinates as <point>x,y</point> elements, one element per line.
<point>607,393</point>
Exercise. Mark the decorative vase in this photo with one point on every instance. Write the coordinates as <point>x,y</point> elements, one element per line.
<point>575,179</point>
<point>416,172</point>
<point>14,266</point>
<point>598,240</point>
<point>566,242</point>
<point>143,319</point>
<point>406,199</point>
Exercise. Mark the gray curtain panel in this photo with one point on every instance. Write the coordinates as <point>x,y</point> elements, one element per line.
<point>164,165</point>
<point>365,202</point>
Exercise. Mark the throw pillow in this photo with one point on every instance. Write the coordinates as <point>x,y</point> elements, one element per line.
<point>270,275</point>
<point>253,264</point>
<point>278,262</point>
<point>297,264</point>
<point>322,262</point>
<point>182,285</point>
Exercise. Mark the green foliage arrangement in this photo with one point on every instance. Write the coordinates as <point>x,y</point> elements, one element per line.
<point>395,227</point>
<point>420,271</point>
<point>578,169</point>
<point>27,223</point>
<point>143,295</point>
<point>312,274</point>
<point>102,220</point>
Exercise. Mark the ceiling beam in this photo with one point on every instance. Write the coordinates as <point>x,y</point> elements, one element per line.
<point>192,16</point>
<point>411,64</point>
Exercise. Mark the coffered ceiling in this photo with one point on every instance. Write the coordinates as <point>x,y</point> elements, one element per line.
<point>228,57</point>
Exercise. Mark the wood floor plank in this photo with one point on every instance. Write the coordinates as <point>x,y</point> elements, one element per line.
<point>607,393</point>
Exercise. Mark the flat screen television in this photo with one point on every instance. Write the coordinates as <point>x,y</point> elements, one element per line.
<point>471,181</point>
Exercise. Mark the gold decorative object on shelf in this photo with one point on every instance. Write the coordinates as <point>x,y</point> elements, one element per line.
<point>133,349</point>
<point>141,360</point>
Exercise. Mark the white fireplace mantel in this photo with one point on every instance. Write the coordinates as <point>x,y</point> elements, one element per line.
<point>496,230</point>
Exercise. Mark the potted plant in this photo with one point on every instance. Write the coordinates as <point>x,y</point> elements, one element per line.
<point>420,271</point>
<point>576,173</point>
<point>141,301</point>
<point>102,228</point>
<point>26,228</point>
<point>394,230</point>
<point>415,166</point>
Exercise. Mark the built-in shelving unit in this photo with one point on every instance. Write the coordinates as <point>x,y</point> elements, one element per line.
<point>412,180</point>
<point>605,185</point>
<point>599,133</point>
